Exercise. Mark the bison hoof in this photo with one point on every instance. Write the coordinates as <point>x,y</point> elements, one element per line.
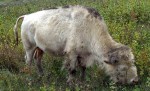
<point>41,74</point>
<point>70,79</point>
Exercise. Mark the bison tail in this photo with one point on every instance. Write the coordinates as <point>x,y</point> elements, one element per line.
<point>15,29</point>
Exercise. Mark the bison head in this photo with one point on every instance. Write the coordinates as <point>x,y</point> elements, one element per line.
<point>120,66</point>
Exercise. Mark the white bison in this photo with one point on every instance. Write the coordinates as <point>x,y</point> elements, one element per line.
<point>80,35</point>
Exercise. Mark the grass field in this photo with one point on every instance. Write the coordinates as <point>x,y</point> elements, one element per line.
<point>128,22</point>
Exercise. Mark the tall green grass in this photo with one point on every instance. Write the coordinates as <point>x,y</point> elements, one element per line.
<point>128,22</point>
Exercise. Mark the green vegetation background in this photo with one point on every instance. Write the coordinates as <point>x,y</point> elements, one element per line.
<point>128,22</point>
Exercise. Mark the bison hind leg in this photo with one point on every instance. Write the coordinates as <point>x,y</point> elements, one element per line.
<point>70,65</point>
<point>38,54</point>
<point>29,56</point>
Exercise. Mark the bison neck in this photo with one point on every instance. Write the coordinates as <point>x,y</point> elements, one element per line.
<point>103,46</point>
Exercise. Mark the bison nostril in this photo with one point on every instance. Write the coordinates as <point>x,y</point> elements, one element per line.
<point>135,82</point>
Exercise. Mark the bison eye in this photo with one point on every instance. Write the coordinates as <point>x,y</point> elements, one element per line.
<point>115,61</point>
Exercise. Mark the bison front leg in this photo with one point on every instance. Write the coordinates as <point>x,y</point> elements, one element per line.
<point>82,67</point>
<point>83,73</point>
<point>38,57</point>
<point>71,75</point>
<point>72,60</point>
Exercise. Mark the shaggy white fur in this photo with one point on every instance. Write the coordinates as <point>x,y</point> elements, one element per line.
<point>74,32</point>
